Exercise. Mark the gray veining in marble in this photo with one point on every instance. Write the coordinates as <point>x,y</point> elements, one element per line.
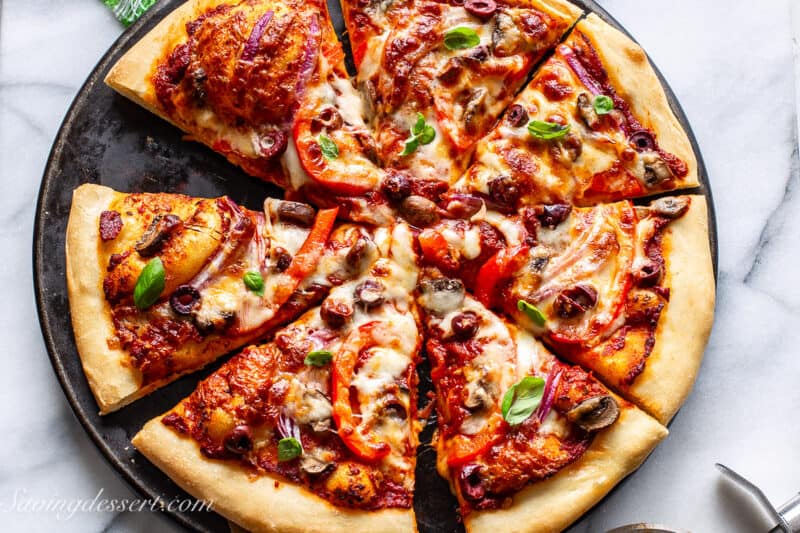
<point>730,64</point>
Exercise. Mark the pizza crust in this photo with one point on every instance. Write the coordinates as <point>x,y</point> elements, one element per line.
<point>685,323</point>
<point>551,505</point>
<point>635,80</point>
<point>558,9</point>
<point>259,504</point>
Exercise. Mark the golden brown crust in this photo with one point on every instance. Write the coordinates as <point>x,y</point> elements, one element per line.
<point>686,322</point>
<point>551,505</point>
<point>558,9</point>
<point>635,80</point>
<point>260,504</point>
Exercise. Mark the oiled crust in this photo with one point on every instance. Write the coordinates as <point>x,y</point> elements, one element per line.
<point>113,382</point>
<point>555,8</point>
<point>635,80</point>
<point>257,504</point>
<point>686,322</point>
<point>551,505</point>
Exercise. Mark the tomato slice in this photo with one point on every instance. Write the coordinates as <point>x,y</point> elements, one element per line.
<point>365,445</point>
<point>464,448</point>
<point>351,172</point>
<point>436,250</point>
<point>498,268</point>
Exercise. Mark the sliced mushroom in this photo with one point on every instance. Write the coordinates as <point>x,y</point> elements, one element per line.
<point>586,111</point>
<point>479,395</point>
<point>369,294</point>
<point>296,213</point>
<point>595,413</point>
<point>441,295</point>
<point>157,233</point>
<point>451,72</point>
<point>655,169</point>
<point>313,463</point>
<point>507,38</point>
<point>316,410</point>
<point>670,207</point>
<point>567,149</point>
<point>359,253</point>
<point>474,109</point>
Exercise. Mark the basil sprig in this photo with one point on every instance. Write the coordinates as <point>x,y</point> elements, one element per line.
<point>547,131</point>
<point>255,282</point>
<point>318,358</point>
<point>289,448</point>
<point>460,38</point>
<point>149,285</point>
<point>602,104</point>
<point>421,133</point>
<point>532,312</point>
<point>329,148</point>
<point>522,399</point>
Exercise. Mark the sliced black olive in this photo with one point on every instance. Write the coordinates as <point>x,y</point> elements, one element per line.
<point>419,211</point>
<point>369,293</point>
<point>471,482</point>
<point>184,299</point>
<point>441,295</point>
<point>595,413</point>
<point>157,233</point>
<point>648,274</point>
<point>670,207</point>
<point>552,215</point>
<point>463,205</point>
<point>483,9</point>
<point>452,71</point>
<point>328,117</point>
<point>517,116</point>
<point>504,191</point>
<point>272,144</point>
<point>240,440</point>
<point>396,186</point>
<point>586,110</point>
<point>358,252</point>
<point>575,300</point>
<point>296,213</point>
<point>282,259</point>
<point>465,325</point>
<point>642,140</point>
<point>335,312</point>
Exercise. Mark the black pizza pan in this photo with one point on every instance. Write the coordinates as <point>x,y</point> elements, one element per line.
<point>107,139</point>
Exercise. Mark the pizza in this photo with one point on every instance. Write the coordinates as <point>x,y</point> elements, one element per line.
<point>502,191</point>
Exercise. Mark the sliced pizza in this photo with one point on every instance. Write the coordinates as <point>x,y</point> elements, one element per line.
<point>319,426</point>
<point>527,442</point>
<point>262,82</point>
<point>162,284</point>
<point>594,125</point>
<point>626,291</point>
<point>437,74</point>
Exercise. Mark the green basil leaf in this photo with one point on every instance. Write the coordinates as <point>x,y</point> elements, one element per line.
<point>149,285</point>
<point>412,143</point>
<point>419,125</point>
<point>547,130</point>
<point>532,312</point>
<point>522,399</point>
<point>289,448</point>
<point>460,38</point>
<point>318,358</point>
<point>602,104</point>
<point>254,282</point>
<point>329,148</point>
<point>428,135</point>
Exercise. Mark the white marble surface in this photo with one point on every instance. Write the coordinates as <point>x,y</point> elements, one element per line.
<point>731,65</point>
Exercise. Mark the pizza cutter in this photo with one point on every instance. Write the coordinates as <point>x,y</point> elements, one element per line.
<point>786,517</point>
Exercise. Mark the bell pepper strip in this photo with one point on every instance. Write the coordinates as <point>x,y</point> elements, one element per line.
<point>464,448</point>
<point>436,250</point>
<point>365,445</point>
<point>496,269</point>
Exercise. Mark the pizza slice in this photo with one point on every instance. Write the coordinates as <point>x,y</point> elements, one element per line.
<point>263,83</point>
<point>437,74</point>
<point>626,291</point>
<point>594,125</point>
<point>316,430</point>
<point>162,284</point>
<point>527,442</point>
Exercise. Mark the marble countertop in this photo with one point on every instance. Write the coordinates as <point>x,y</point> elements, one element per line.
<point>734,67</point>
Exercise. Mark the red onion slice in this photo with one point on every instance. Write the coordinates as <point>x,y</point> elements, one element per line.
<point>553,379</point>
<point>577,67</point>
<point>251,46</point>
<point>239,225</point>
<point>287,427</point>
<point>310,56</point>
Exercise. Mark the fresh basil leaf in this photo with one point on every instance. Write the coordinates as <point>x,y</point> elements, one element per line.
<point>532,312</point>
<point>329,148</point>
<point>419,125</point>
<point>412,143</point>
<point>255,282</point>
<point>428,135</point>
<point>602,104</point>
<point>318,358</point>
<point>149,285</point>
<point>522,399</point>
<point>547,130</point>
<point>289,448</point>
<point>460,38</point>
